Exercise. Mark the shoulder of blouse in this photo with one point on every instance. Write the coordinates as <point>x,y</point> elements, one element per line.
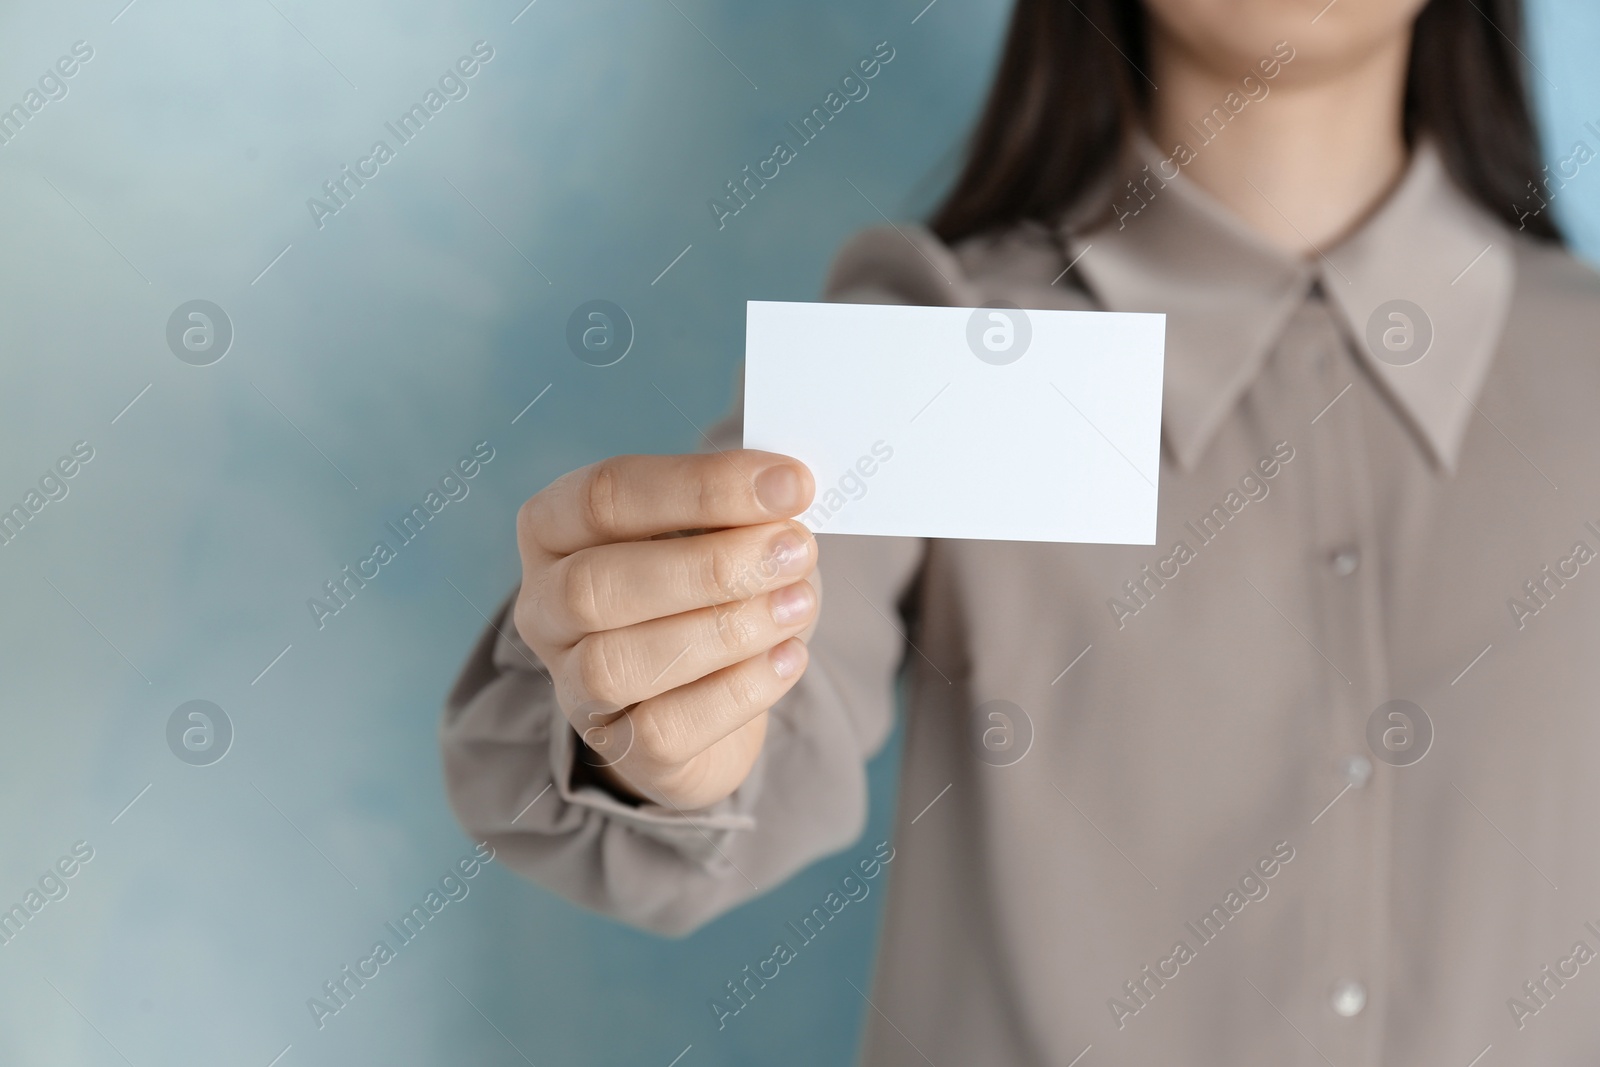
<point>1553,330</point>
<point>906,263</point>
<point>1549,272</point>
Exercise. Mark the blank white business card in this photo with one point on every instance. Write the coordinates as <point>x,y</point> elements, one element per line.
<point>997,423</point>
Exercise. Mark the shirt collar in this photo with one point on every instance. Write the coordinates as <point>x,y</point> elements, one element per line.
<point>1228,295</point>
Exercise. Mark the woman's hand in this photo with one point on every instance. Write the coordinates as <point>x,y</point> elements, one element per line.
<point>666,651</point>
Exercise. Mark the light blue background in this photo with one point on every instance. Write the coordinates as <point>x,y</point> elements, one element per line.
<point>405,330</point>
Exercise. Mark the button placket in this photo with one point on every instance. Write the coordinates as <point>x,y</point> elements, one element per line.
<point>1351,837</point>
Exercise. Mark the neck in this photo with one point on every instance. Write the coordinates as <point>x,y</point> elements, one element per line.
<point>1302,165</point>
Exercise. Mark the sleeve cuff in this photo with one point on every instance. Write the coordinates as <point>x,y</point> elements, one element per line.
<point>681,829</point>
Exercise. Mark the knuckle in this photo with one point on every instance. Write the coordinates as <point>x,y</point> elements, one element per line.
<point>736,628</point>
<point>579,594</point>
<point>528,520</point>
<point>718,492</point>
<point>607,734</point>
<point>730,573</point>
<point>744,690</point>
<point>525,617</point>
<point>599,671</point>
<point>525,522</point>
<point>660,740</point>
<point>599,498</point>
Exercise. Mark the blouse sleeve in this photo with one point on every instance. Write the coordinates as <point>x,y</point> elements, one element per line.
<point>510,756</point>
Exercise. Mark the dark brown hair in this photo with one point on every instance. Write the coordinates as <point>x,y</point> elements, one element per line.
<point>1072,84</point>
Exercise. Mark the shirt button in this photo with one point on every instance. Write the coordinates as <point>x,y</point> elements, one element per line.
<point>1348,998</point>
<point>1344,562</point>
<point>1355,770</point>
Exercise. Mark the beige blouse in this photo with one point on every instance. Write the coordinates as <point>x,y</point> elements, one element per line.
<point>1311,781</point>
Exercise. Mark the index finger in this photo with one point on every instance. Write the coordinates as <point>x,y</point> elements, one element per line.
<point>628,498</point>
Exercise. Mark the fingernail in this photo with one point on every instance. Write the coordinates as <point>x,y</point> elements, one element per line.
<point>788,556</point>
<point>791,603</point>
<point>788,658</point>
<point>778,489</point>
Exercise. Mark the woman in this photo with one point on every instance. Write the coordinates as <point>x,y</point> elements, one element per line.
<point>1201,829</point>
